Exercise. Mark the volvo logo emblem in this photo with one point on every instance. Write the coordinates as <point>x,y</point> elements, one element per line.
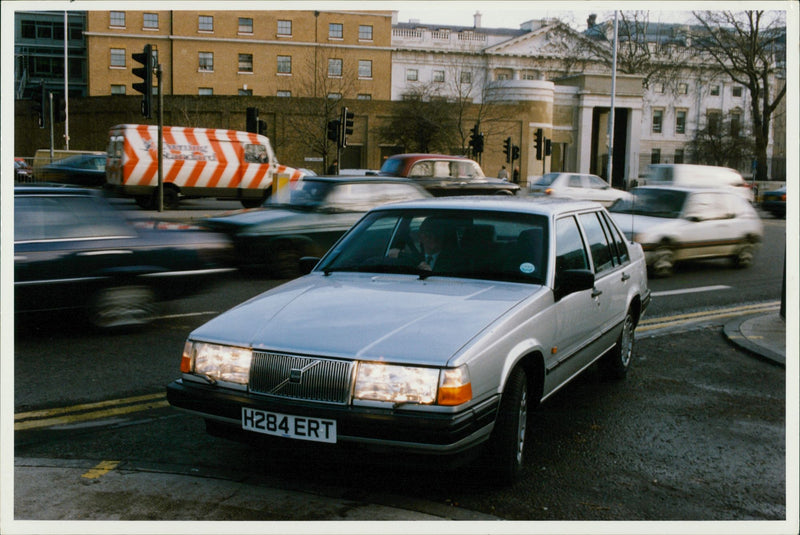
<point>295,375</point>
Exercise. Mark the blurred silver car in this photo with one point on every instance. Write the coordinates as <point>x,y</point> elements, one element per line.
<point>674,224</point>
<point>432,326</point>
<point>584,187</point>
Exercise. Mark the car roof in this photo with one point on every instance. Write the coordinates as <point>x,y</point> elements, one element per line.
<point>425,156</point>
<point>550,206</point>
<point>688,189</point>
<point>356,178</point>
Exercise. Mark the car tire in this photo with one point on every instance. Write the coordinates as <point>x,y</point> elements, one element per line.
<point>171,198</point>
<point>744,256</point>
<point>145,201</point>
<point>615,363</point>
<point>663,262</point>
<point>508,437</point>
<point>284,261</point>
<point>122,306</point>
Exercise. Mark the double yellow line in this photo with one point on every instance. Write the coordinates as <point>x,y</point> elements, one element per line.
<point>696,317</point>
<point>88,411</point>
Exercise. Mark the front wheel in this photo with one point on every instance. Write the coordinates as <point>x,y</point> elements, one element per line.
<point>508,438</point>
<point>744,256</point>
<point>615,363</point>
<point>122,306</point>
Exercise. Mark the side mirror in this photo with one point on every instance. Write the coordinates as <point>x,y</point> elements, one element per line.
<point>307,263</point>
<point>573,280</point>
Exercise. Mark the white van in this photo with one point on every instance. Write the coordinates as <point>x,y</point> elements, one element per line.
<point>707,176</point>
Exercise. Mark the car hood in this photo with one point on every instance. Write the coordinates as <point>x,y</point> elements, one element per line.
<point>396,318</point>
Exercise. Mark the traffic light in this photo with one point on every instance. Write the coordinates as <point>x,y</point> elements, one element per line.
<point>477,148</point>
<point>251,121</point>
<point>59,109</point>
<point>262,127</point>
<point>145,73</point>
<point>507,149</point>
<point>538,142</point>
<point>514,153</point>
<point>548,147</point>
<point>333,130</point>
<point>347,126</point>
<point>473,138</point>
<point>37,103</point>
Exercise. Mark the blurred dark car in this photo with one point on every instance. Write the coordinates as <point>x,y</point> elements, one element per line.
<point>22,171</point>
<point>774,202</point>
<point>79,170</point>
<point>274,237</point>
<point>444,175</point>
<point>73,250</point>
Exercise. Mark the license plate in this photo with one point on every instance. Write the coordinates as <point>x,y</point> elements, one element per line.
<point>289,426</point>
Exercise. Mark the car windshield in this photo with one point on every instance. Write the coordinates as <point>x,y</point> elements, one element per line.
<point>451,243</point>
<point>652,202</point>
<point>392,166</point>
<point>545,180</point>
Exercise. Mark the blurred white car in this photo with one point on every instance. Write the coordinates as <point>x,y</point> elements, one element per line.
<point>579,186</point>
<point>674,224</point>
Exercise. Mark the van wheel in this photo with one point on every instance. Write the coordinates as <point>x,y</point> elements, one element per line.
<point>507,446</point>
<point>145,201</point>
<point>171,199</point>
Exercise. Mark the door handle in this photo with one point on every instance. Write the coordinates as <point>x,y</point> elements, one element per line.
<point>625,276</point>
<point>596,292</point>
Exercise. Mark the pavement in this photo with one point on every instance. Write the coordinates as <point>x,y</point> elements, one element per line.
<point>762,335</point>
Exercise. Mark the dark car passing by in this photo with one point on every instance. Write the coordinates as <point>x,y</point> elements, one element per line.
<point>444,175</point>
<point>319,210</point>
<point>774,202</point>
<point>22,171</point>
<point>78,170</point>
<point>73,250</point>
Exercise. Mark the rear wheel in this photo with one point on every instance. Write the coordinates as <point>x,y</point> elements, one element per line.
<point>615,363</point>
<point>145,201</point>
<point>122,306</point>
<point>508,438</point>
<point>284,261</point>
<point>744,256</point>
<point>664,261</point>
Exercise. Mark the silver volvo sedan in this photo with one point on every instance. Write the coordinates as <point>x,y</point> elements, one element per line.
<point>432,326</point>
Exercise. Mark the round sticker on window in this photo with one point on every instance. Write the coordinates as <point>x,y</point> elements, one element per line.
<point>527,268</point>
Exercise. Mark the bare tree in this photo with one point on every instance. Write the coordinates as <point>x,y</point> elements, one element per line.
<point>722,142</point>
<point>424,121</point>
<point>750,48</point>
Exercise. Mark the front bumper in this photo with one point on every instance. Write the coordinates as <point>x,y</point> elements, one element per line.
<point>394,429</point>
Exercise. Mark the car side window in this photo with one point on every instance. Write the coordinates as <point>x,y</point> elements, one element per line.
<point>596,182</point>
<point>422,169</point>
<point>705,206</point>
<point>66,217</point>
<point>619,247</point>
<point>575,181</point>
<point>570,251</point>
<point>598,242</point>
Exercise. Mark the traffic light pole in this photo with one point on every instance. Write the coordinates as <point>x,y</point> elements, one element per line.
<point>51,115</point>
<point>160,140</point>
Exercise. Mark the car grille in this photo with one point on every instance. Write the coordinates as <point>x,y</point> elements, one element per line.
<point>305,378</point>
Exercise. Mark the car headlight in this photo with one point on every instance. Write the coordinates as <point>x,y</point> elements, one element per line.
<point>217,362</point>
<point>409,384</point>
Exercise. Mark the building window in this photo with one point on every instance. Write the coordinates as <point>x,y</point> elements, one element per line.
<point>365,32</point>
<point>715,90</point>
<point>655,156</point>
<point>285,94</point>
<point>245,25</point>
<point>364,68</point>
<point>658,120</point>
<point>412,75</point>
<point>285,28</point>
<point>245,62</point>
<point>118,89</point>
<point>683,88</point>
<point>118,57</point>
<point>205,91</point>
<point>736,124</point>
<point>335,30</point>
<point>363,96</point>
<point>658,87</point>
<point>150,21</point>
<point>206,61</point>
<point>737,91</point>
<point>117,19</point>
<point>245,92</point>
<point>205,23</point>
<point>679,156</point>
<point>714,118</point>
<point>680,122</point>
<point>438,76</point>
<point>334,68</point>
<point>466,77</point>
<point>285,64</point>
<point>335,96</point>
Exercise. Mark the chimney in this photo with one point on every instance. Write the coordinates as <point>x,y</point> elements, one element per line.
<point>591,22</point>
<point>477,18</point>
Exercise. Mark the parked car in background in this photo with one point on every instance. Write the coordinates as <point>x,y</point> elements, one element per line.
<point>698,176</point>
<point>319,210</point>
<point>382,347</point>
<point>577,186</point>
<point>73,250</point>
<point>674,224</point>
<point>79,170</point>
<point>22,171</point>
<point>774,202</point>
<point>446,175</point>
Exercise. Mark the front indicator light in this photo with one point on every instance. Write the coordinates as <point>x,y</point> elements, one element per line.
<point>455,387</point>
